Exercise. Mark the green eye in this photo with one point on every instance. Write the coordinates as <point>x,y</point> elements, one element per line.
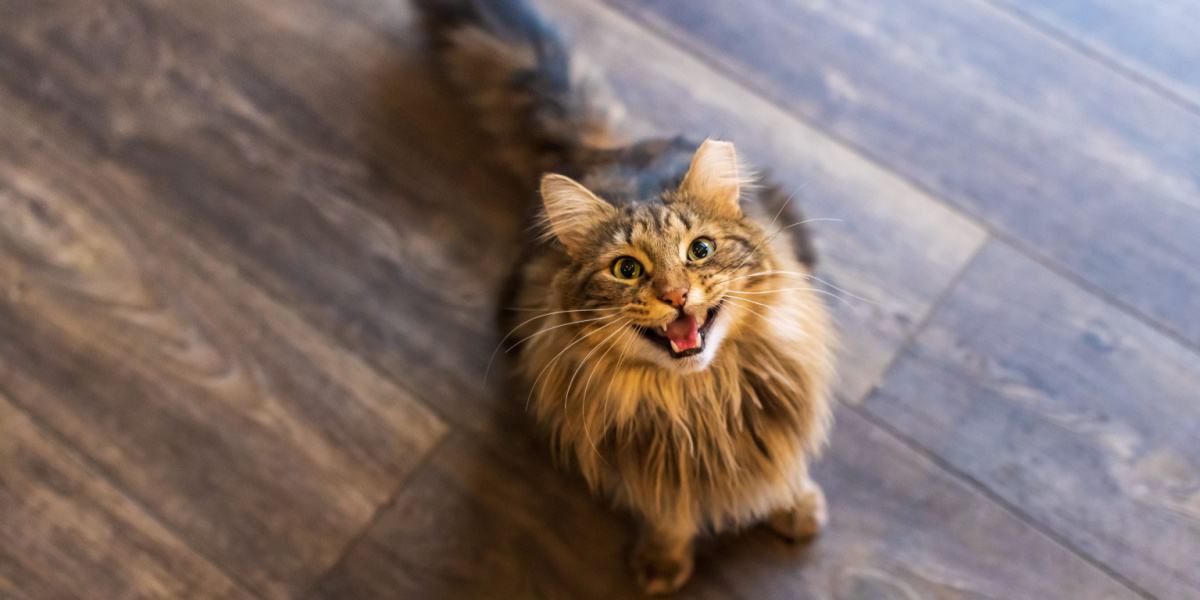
<point>626,268</point>
<point>701,248</point>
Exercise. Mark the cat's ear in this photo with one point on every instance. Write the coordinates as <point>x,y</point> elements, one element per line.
<point>713,182</point>
<point>572,210</point>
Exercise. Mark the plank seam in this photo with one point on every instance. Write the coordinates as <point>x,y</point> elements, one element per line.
<point>97,470</point>
<point>964,478</point>
<point>924,319</point>
<point>1091,52</point>
<point>971,482</point>
<point>382,508</point>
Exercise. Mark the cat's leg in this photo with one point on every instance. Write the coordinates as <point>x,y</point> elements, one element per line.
<point>663,555</point>
<point>805,518</point>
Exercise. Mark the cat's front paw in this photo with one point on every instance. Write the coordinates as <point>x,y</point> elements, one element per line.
<point>661,571</point>
<point>804,520</point>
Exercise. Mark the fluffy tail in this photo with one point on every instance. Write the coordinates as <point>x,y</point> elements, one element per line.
<point>542,106</point>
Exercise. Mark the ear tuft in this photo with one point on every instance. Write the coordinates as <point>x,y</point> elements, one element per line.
<point>714,179</point>
<point>572,210</point>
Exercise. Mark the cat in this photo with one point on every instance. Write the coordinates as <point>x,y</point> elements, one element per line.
<point>670,339</point>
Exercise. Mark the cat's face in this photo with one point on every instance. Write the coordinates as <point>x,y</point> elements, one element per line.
<point>657,278</point>
<point>668,270</point>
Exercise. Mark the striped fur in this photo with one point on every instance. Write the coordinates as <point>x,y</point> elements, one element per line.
<point>541,106</point>
<point>712,441</point>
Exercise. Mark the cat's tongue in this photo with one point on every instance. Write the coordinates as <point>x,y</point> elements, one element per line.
<point>683,334</point>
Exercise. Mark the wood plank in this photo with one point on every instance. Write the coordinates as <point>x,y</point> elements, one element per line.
<point>484,523</point>
<point>1154,40</point>
<point>1080,415</point>
<point>1072,161</point>
<point>295,155</point>
<point>271,108</point>
<point>263,444</point>
<point>66,533</point>
<point>477,523</point>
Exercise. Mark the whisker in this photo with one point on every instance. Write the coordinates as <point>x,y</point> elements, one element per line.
<point>575,310</point>
<point>842,290</point>
<point>541,373</point>
<point>586,432</point>
<point>743,307</point>
<point>548,329</point>
<point>810,276</point>
<point>583,361</point>
<point>766,306</point>
<point>492,358</point>
<point>759,274</point>
<point>588,383</point>
<point>620,360</point>
<point>805,275</point>
<point>783,206</point>
<point>807,289</point>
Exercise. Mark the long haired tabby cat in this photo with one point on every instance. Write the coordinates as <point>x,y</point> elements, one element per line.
<point>673,352</point>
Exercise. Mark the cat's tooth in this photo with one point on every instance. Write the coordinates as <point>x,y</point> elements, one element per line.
<point>674,347</point>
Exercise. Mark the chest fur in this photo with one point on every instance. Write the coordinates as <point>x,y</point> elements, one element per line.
<point>712,444</point>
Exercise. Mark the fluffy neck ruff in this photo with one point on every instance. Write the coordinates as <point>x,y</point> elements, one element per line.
<point>715,444</point>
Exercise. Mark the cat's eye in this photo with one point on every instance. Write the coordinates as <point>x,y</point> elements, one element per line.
<point>626,268</point>
<point>700,248</point>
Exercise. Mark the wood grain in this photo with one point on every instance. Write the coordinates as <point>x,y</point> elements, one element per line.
<point>1078,414</point>
<point>1069,159</point>
<point>244,429</point>
<point>482,523</point>
<point>342,205</point>
<point>298,158</point>
<point>250,254</point>
<point>66,533</point>
<point>1153,40</point>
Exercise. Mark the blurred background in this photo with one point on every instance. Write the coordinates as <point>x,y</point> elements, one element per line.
<point>250,253</point>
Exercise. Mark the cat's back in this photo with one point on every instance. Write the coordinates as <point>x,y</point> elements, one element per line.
<point>636,174</point>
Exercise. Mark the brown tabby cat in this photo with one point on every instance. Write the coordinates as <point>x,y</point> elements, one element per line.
<point>674,350</point>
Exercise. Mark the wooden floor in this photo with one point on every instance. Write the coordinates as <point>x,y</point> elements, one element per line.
<point>250,254</point>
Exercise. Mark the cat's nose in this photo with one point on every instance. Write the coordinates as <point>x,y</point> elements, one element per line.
<point>676,297</point>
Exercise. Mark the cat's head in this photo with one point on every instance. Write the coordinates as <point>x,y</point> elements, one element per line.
<point>666,281</point>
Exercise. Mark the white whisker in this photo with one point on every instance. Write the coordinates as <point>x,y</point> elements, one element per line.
<point>583,361</point>
<point>808,289</point>
<point>548,329</point>
<point>492,358</point>
<point>806,276</point>
<point>559,312</point>
<point>620,360</point>
<point>541,373</point>
<point>588,384</point>
<point>783,206</point>
<point>743,307</point>
<point>766,306</point>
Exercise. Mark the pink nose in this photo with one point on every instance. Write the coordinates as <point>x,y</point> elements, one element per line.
<point>676,297</point>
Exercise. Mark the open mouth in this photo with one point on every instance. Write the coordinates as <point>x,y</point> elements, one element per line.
<point>681,337</point>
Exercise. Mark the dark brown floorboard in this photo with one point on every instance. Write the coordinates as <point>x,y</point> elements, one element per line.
<point>250,254</point>
<point>1078,414</point>
<point>65,532</point>
<point>246,430</point>
<point>482,523</point>
<point>329,170</point>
